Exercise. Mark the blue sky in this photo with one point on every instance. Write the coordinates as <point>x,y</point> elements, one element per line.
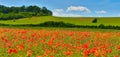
<point>73,7</point>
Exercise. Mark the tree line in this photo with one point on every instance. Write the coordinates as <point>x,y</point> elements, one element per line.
<point>63,25</point>
<point>9,13</point>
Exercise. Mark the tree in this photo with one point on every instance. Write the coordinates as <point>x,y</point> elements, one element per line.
<point>47,12</point>
<point>94,21</point>
<point>23,9</point>
<point>13,12</point>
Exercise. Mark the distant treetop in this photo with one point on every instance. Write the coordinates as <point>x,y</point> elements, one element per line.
<point>24,10</point>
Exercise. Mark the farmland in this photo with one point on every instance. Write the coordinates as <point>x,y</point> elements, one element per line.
<point>59,42</point>
<point>73,20</point>
<point>16,42</point>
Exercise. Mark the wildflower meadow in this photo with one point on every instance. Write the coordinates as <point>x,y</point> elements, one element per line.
<point>58,43</point>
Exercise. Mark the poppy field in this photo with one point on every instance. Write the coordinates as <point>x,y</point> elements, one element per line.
<point>58,43</point>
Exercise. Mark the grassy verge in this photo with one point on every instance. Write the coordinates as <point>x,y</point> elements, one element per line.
<point>56,28</point>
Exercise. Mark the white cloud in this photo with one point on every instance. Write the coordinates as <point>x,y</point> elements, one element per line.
<point>101,12</point>
<point>78,8</point>
<point>67,12</point>
<point>57,11</point>
<point>70,15</point>
<point>118,14</point>
<point>62,13</point>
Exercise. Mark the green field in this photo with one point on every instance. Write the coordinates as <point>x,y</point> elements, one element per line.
<point>25,41</point>
<point>73,20</point>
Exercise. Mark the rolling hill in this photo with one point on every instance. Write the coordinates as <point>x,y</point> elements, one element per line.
<point>73,20</point>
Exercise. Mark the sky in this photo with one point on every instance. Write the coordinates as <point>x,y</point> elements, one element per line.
<point>73,8</point>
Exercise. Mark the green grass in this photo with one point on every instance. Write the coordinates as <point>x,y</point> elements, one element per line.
<point>58,28</point>
<point>73,20</point>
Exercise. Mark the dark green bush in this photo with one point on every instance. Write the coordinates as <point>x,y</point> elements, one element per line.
<point>94,21</point>
<point>65,25</point>
<point>56,24</point>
